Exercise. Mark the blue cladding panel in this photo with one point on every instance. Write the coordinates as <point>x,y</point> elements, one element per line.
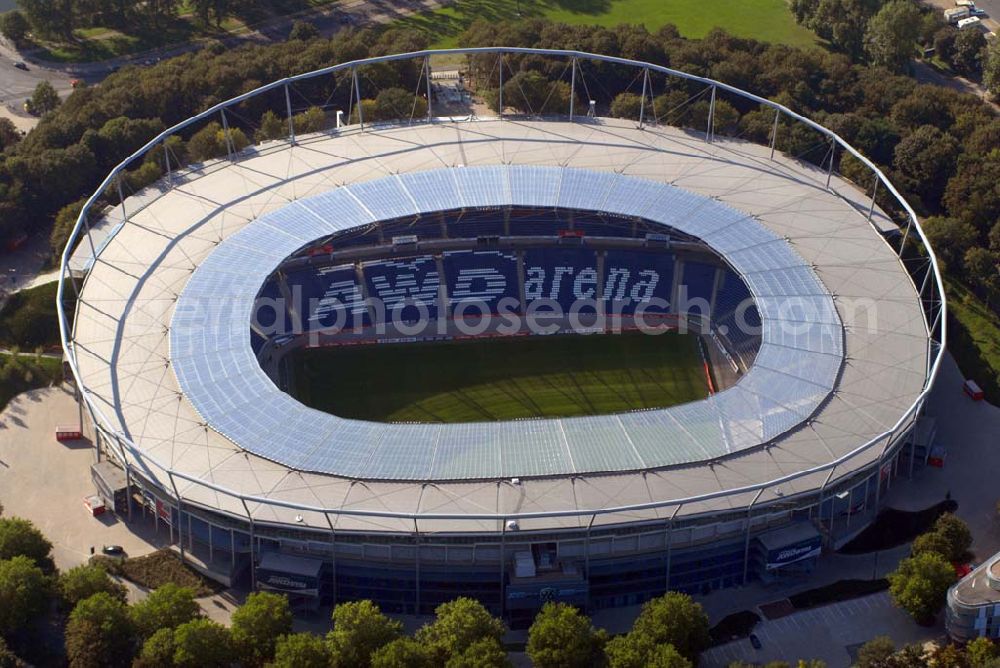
<point>408,288</point>
<point>635,277</point>
<point>483,277</point>
<point>331,298</point>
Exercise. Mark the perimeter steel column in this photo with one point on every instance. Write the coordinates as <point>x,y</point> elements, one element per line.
<point>180,511</point>
<point>427,73</point>
<point>572,88</point>
<point>288,109</point>
<point>253,541</point>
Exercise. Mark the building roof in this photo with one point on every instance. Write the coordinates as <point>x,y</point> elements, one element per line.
<point>795,369</point>
<point>123,322</point>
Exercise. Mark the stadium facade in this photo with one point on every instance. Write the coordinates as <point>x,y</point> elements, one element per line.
<point>176,344</point>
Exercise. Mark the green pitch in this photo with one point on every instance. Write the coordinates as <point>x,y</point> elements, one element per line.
<point>502,379</point>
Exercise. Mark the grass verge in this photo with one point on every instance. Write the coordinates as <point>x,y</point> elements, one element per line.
<point>766,20</point>
<point>502,379</point>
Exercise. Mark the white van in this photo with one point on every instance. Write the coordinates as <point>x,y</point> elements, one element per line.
<point>972,22</point>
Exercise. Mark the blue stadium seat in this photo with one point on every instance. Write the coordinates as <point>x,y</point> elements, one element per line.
<point>485,277</point>
<point>561,274</point>
<point>408,288</point>
<point>331,297</point>
<point>638,277</point>
<point>697,284</point>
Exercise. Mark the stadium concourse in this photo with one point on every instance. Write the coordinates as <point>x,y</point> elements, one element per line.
<point>598,511</point>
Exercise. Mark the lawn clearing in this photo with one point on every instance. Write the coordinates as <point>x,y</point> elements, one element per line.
<point>766,20</point>
<point>502,379</point>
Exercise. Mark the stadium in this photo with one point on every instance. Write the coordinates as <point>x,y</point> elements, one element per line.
<point>525,355</point>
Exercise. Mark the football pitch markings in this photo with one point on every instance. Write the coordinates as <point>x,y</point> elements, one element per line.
<point>502,379</point>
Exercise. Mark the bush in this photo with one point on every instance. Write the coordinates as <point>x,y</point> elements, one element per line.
<point>311,120</point>
<point>29,318</point>
<point>626,105</point>
<point>303,30</point>
<point>86,580</point>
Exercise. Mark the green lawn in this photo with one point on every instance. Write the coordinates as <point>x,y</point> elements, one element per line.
<point>766,20</point>
<point>502,379</point>
<point>974,338</point>
<point>29,319</point>
<point>26,372</point>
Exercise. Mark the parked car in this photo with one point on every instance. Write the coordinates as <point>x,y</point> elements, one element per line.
<point>755,641</point>
<point>19,64</point>
<point>113,551</point>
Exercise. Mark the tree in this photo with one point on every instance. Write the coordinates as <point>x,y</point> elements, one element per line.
<point>403,653</point>
<point>560,637</point>
<point>981,268</point>
<point>8,659</point>
<point>24,590</point>
<point>876,652</point>
<point>303,31</point>
<point>157,651</point>
<point>919,585</point>
<point>202,643</point>
<point>20,537</point>
<point>968,51</point>
<point>99,633</point>
<point>257,624</point>
<point>207,143</point>
<point>86,580</point>
<point>49,17</point>
<point>360,628</point>
<point>892,33</point>
<point>301,650</point>
<point>981,652</point>
<point>44,99</point>
<point>533,93</point>
<point>665,656</point>
<point>9,134</point>
<point>14,26</point>
<point>167,607</point>
<point>271,127</point>
<point>991,67</point>
<point>925,159</point>
<point>627,105</point>
<point>311,120</point>
<point>950,240</point>
<point>483,653</point>
<point>457,625</point>
<point>931,541</point>
<point>953,529</point>
<point>944,43</point>
<point>674,619</point>
<point>398,104</point>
